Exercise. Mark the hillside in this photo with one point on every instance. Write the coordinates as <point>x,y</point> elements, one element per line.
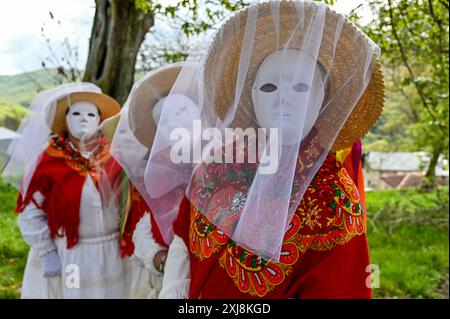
<point>10,114</point>
<point>21,88</point>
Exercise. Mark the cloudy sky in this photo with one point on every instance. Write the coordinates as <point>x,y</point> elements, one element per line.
<point>22,46</point>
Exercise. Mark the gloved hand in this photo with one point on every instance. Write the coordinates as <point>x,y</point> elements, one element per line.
<point>51,265</point>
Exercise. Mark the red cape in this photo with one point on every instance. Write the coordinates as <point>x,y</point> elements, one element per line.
<point>59,177</point>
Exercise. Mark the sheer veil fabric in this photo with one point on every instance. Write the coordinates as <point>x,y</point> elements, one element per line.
<point>146,120</point>
<point>300,81</point>
<point>35,130</point>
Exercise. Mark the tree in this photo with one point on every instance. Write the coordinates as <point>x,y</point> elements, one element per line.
<point>414,36</point>
<point>117,33</point>
<point>120,27</point>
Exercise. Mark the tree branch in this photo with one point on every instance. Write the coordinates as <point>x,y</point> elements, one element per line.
<point>408,67</point>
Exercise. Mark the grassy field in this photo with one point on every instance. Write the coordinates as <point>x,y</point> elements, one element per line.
<point>408,238</point>
<point>13,250</point>
<point>409,241</point>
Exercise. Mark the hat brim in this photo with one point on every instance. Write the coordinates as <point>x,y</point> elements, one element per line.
<point>109,126</point>
<point>107,107</point>
<point>225,49</point>
<point>153,88</point>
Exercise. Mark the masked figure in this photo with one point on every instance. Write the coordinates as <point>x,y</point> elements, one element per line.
<point>141,118</point>
<point>70,224</point>
<point>301,82</point>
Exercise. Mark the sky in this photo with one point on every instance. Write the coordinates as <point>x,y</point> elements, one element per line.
<point>22,46</point>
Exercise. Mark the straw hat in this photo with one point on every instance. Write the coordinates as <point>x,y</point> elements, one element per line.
<point>350,50</point>
<point>109,126</point>
<point>106,105</point>
<point>155,86</point>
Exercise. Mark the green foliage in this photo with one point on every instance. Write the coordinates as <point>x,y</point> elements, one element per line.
<point>214,10</point>
<point>11,114</point>
<point>408,239</point>
<point>413,36</point>
<point>193,24</point>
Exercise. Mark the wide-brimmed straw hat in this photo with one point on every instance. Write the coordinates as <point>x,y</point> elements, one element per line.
<point>109,126</point>
<point>155,86</point>
<point>225,49</point>
<point>106,105</point>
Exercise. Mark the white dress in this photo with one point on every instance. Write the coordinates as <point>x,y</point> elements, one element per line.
<point>146,280</point>
<point>92,268</point>
<point>177,272</point>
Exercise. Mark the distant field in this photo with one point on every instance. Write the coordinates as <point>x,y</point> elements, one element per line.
<point>11,114</point>
<point>17,92</point>
<point>408,239</point>
<point>22,88</point>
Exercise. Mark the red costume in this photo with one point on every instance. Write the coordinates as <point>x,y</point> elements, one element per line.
<point>59,176</point>
<point>138,209</point>
<point>324,252</point>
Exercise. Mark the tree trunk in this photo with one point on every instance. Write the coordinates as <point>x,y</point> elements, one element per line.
<point>430,176</point>
<point>117,34</point>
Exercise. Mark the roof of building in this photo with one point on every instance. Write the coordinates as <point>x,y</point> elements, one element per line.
<point>404,162</point>
<point>7,134</point>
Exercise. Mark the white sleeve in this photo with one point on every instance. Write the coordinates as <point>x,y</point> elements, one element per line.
<point>145,246</point>
<point>34,227</point>
<point>177,272</point>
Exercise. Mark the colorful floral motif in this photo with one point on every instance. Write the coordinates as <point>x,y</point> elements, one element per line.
<point>330,211</point>
<point>205,239</point>
<point>329,214</point>
<point>59,146</point>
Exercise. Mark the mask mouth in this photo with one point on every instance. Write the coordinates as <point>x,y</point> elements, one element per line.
<point>284,115</point>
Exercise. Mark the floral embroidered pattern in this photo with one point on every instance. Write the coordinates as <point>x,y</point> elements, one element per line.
<point>204,239</point>
<point>331,211</point>
<point>251,273</point>
<point>255,275</point>
<point>59,146</point>
<point>329,214</point>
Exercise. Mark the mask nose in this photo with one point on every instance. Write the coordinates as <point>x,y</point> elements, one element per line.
<point>87,118</point>
<point>281,103</point>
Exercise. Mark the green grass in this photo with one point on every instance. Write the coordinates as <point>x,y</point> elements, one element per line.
<point>13,249</point>
<point>408,239</point>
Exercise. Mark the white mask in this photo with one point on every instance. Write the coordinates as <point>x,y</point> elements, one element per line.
<point>288,91</point>
<point>179,111</point>
<point>82,119</point>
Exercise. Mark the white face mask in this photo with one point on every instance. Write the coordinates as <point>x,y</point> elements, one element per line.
<point>82,119</point>
<point>288,91</point>
<point>180,112</point>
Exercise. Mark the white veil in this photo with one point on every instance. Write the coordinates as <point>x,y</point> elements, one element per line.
<point>24,153</point>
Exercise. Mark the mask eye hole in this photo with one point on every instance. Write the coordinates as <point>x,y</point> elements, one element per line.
<point>301,87</point>
<point>91,114</point>
<point>268,87</point>
<point>76,113</point>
